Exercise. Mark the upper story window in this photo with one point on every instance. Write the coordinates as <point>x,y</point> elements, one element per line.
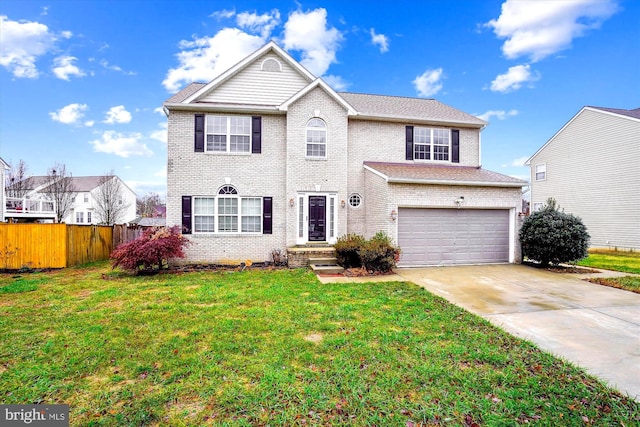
<point>228,134</point>
<point>541,172</point>
<point>86,197</point>
<point>316,138</point>
<point>431,144</point>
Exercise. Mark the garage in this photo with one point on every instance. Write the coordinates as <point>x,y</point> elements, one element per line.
<point>453,236</point>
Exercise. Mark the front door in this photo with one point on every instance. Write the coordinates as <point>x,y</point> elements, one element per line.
<point>317,218</point>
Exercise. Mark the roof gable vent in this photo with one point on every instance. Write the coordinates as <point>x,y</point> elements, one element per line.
<point>271,64</point>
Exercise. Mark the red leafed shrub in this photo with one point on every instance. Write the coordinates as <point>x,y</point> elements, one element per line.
<point>151,251</point>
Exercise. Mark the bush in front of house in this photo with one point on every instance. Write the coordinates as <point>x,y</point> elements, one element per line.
<point>151,251</point>
<point>377,254</point>
<point>551,236</point>
<point>347,248</point>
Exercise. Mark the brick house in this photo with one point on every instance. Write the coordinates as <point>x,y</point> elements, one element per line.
<point>267,156</point>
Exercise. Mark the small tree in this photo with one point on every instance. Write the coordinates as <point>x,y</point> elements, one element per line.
<point>147,204</point>
<point>151,251</point>
<point>61,189</point>
<point>17,184</point>
<point>552,236</point>
<point>108,197</point>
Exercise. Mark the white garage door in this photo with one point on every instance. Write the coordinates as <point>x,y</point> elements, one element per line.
<point>453,236</point>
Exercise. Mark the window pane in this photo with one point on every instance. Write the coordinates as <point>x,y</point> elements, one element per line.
<point>251,224</point>
<point>252,206</point>
<point>227,206</point>
<point>316,150</point>
<point>204,224</point>
<point>239,144</point>
<point>228,223</point>
<point>203,206</point>
<point>240,125</point>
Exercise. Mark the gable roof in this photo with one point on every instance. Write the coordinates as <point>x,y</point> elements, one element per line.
<point>269,47</point>
<point>185,93</point>
<point>322,84</point>
<point>4,164</point>
<point>408,109</point>
<point>80,183</point>
<point>401,173</point>
<point>625,114</point>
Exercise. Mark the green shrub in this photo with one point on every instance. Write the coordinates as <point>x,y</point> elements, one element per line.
<point>552,236</point>
<point>377,254</point>
<point>347,250</point>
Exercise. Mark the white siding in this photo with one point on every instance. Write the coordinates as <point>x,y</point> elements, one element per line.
<point>593,171</point>
<point>253,85</point>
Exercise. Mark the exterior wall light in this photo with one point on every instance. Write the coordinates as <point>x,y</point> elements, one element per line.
<point>342,203</point>
<point>459,201</point>
<point>394,215</point>
<point>291,202</point>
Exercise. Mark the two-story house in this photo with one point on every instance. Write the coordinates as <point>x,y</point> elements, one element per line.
<point>267,156</point>
<point>591,167</point>
<point>83,209</point>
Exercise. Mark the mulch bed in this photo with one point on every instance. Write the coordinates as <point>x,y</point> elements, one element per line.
<point>565,269</point>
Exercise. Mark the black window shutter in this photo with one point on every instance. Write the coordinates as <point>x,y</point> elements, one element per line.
<point>256,134</point>
<point>267,209</point>
<point>409,141</point>
<point>186,214</point>
<point>455,146</point>
<point>199,134</point>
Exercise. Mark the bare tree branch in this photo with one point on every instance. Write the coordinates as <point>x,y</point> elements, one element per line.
<point>17,182</point>
<point>61,189</point>
<point>147,204</point>
<point>109,199</point>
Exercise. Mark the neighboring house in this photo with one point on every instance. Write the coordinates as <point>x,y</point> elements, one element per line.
<point>591,167</point>
<point>83,208</point>
<point>25,202</point>
<point>4,167</point>
<point>267,156</point>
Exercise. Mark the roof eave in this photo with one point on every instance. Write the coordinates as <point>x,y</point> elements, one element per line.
<point>393,180</point>
<point>272,109</point>
<point>418,120</point>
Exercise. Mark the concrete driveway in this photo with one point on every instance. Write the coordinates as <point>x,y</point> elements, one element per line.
<point>593,326</point>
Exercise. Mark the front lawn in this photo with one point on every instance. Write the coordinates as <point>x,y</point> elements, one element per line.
<point>627,262</point>
<point>276,348</point>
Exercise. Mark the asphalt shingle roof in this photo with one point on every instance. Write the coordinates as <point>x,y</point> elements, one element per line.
<point>399,107</point>
<point>635,113</point>
<point>426,173</point>
<point>185,93</point>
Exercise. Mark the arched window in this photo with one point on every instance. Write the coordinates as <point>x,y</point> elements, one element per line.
<point>316,138</point>
<point>228,209</point>
<point>228,189</point>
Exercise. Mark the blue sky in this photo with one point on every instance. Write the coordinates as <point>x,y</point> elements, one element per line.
<point>82,82</point>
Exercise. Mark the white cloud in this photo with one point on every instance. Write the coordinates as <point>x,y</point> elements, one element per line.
<point>159,110</point>
<point>336,82</point>
<point>117,114</point>
<point>263,24</point>
<point>499,114</point>
<point>66,34</point>
<point>64,67</point>
<point>21,44</point>
<point>223,14</point>
<point>70,114</point>
<point>120,144</point>
<point>519,162</point>
<point>514,78</point>
<point>429,82</point>
<point>203,59</point>
<point>89,123</point>
<point>308,33</point>
<point>104,63</point>
<point>380,40</point>
<point>538,29</point>
<point>160,134</point>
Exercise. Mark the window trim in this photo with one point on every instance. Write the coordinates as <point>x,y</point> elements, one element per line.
<point>536,172</point>
<point>239,215</point>
<point>537,206</point>
<point>432,153</point>
<point>308,143</point>
<point>228,134</point>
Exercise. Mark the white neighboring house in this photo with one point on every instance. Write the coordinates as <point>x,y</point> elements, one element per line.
<point>591,167</point>
<point>3,168</point>
<point>83,208</point>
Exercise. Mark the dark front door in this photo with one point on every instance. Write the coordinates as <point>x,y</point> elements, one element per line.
<point>317,218</point>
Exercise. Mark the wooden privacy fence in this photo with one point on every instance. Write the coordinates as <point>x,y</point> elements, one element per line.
<point>53,245</point>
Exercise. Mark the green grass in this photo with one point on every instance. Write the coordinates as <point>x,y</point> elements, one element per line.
<point>277,348</point>
<point>627,262</point>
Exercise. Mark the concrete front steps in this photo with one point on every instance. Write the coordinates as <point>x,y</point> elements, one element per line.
<point>320,258</point>
<point>325,265</point>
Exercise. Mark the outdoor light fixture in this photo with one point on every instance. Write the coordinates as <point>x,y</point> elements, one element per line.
<point>394,215</point>
<point>459,201</point>
<point>342,203</point>
<point>291,202</point>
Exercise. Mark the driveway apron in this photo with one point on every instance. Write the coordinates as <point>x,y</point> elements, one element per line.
<point>592,326</point>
